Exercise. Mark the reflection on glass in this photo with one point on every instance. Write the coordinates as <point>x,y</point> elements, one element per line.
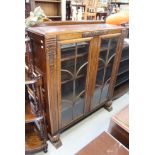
<point>74,60</point>
<point>105,65</point>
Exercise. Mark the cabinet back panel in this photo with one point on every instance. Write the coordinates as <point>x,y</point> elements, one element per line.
<point>50,9</point>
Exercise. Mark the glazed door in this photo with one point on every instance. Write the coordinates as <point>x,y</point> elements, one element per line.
<point>108,48</point>
<point>74,57</point>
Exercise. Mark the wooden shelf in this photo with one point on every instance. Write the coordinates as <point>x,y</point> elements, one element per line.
<point>68,51</point>
<point>31,93</point>
<point>125,58</point>
<point>123,71</point>
<point>33,143</point>
<point>121,90</point>
<point>120,3</point>
<point>29,80</point>
<point>124,65</point>
<point>29,116</point>
<point>52,1</point>
<point>66,81</point>
<point>51,8</point>
<point>123,68</point>
<point>53,16</point>
<point>105,48</point>
<point>65,58</point>
<point>121,81</point>
<point>71,45</point>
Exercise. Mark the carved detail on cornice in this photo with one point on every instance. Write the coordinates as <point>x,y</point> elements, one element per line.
<point>94,33</point>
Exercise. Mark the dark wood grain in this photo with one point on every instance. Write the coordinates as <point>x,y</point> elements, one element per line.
<point>119,126</point>
<point>104,144</point>
<point>122,118</point>
<point>35,128</point>
<point>33,143</point>
<point>29,115</point>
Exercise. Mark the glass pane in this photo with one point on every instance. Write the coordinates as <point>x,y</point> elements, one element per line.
<point>66,114</point>
<point>113,46</point>
<point>67,51</point>
<point>104,93</point>
<point>125,53</point>
<point>96,97</point>
<point>104,45</point>
<point>67,102</point>
<point>102,59</point>
<point>81,65</point>
<point>67,70</point>
<point>78,107</point>
<point>67,91</point>
<point>105,65</point>
<point>124,66</point>
<point>122,78</point>
<point>109,69</point>
<point>73,80</point>
<point>83,48</point>
<point>99,78</point>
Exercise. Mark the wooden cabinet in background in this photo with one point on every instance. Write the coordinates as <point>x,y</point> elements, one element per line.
<point>52,8</point>
<point>79,64</point>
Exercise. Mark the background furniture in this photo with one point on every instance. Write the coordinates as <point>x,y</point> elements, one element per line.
<point>101,15</point>
<point>35,127</point>
<point>79,64</point>
<point>35,134</point>
<point>88,9</point>
<point>91,10</point>
<point>120,2</point>
<point>119,126</point>
<point>122,82</point>
<point>52,8</point>
<point>27,9</point>
<point>104,144</point>
<point>68,10</point>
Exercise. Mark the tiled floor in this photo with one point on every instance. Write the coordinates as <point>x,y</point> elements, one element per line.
<point>82,133</point>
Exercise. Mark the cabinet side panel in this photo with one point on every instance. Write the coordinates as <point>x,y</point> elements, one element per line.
<point>116,64</point>
<point>51,66</point>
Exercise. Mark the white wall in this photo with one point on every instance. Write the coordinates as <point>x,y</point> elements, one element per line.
<point>63,9</point>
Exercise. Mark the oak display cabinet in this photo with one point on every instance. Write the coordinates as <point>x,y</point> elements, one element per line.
<point>79,64</point>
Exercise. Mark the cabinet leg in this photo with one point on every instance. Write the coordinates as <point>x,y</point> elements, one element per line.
<point>108,105</point>
<point>45,149</point>
<point>55,140</point>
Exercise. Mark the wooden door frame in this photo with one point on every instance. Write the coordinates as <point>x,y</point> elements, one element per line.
<point>95,57</point>
<point>59,43</point>
<point>116,64</point>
